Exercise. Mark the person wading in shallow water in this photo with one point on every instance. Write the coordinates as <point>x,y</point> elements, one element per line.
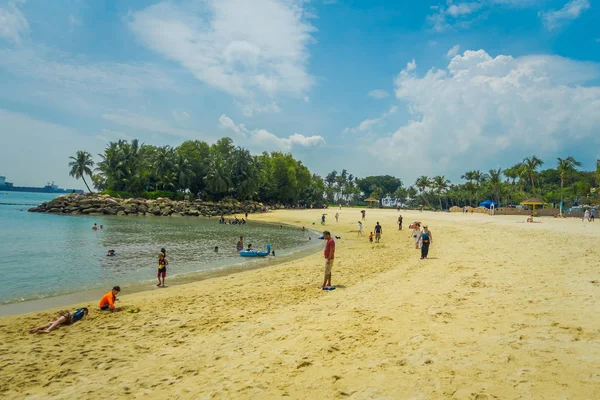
<point>426,240</point>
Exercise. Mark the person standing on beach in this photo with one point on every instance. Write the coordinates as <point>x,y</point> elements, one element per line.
<point>592,214</point>
<point>400,222</point>
<point>329,255</point>
<point>323,219</point>
<point>426,239</point>
<point>378,232</point>
<point>416,234</point>
<point>240,244</point>
<point>364,213</point>
<point>586,215</point>
<point>162,269</point>
<point>337,215</point>
<point>360,228</point>
<point>107,302</point>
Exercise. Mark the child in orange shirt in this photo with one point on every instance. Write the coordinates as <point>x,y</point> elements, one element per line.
<point>371,237</point>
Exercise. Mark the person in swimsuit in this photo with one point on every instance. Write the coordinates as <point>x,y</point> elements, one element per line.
<point>162,269</point>
<point>64,319</point>
<point>426,240</point>
<point>111,253</point>
<point>107,302</point>
<point>240,244</point>
<point>95,227</point>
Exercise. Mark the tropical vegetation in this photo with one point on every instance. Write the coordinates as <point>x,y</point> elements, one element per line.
<point>223,170</point>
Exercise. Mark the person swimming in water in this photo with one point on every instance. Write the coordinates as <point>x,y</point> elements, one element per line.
<point>249,247</point>
<point>95,227</point>
<point>68,318</point>
<point>111,253</point>
<point>216,249</point>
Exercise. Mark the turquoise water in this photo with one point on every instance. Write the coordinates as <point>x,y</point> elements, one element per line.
<point>47,255</point>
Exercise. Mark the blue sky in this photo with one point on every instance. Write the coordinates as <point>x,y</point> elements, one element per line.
<point>400,87</point>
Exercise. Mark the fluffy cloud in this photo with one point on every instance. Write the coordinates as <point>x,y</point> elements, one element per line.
<point>267,140</point>
<point>242,48</point>
<point>482,108</point>
<point>453,52</point>
<point>13,24</point>
<point>571,11</point>
<point>378,94</point>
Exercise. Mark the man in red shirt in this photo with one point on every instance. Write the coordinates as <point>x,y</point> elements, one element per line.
<point>329,254</point>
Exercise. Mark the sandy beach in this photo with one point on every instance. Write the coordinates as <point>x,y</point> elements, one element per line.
<point>501,310</point>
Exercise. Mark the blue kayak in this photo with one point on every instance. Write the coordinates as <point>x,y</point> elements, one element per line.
<point>256,253</point>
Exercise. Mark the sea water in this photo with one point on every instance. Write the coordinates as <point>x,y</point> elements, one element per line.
<point>45,255</point>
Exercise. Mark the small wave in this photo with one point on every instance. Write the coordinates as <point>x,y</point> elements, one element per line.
<point>17,204</point>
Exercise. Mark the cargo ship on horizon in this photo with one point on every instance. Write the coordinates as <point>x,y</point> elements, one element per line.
<point>49,188</point>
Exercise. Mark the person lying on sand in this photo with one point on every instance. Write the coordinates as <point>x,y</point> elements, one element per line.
<point>65,319</point>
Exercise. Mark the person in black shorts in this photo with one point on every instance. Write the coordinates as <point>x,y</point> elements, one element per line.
<point>378,232</point>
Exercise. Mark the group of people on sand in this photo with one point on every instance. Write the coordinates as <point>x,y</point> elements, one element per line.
<point>107,303</point>
<point>590,215</point>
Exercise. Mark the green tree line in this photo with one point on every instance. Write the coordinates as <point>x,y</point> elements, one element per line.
<point>224,170</point>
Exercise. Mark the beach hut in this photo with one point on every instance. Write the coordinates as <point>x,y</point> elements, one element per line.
<point>534,201</point>
<point>371,200</point>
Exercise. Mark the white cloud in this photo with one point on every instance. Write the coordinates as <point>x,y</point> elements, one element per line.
<point>368,124</point>
<point>76,74</point>
<point>250,108</point>
<point>378,94</point>
<point>464,14</point>
<point>457,10</point>
<point>74,21</point>
<point>570,11</point>
<point>483,107</point>
<point>180,116</point>
<point>267,140</point>
<point>239,47</point>
<point>453,51</point>
<point>13,24</point>
<point>149,124</point>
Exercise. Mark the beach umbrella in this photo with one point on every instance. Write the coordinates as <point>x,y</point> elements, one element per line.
<point>371,200</point>
<point>534,201</point>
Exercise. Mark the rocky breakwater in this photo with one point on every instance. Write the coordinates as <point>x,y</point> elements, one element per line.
<point>105,205</point>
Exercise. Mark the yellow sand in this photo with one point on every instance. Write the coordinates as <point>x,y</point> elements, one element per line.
<point>503,309</point>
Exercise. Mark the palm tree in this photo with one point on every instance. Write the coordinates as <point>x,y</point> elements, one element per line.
<point>530,165</point>
<point>422,183</point>
<point>564,166</point>
<point>217,178</point>
<point>479,177</point>
<point>440,183</point>
<point>81,166</point>
<point>495,181</point>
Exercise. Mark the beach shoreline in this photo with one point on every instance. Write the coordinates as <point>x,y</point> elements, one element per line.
<point>90,296</point>
<point>502,309</point>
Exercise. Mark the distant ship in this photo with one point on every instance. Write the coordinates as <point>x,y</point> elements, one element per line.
<point>49,188</point>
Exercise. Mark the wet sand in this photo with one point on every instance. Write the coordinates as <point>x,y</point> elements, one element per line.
<point>502,309</point>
